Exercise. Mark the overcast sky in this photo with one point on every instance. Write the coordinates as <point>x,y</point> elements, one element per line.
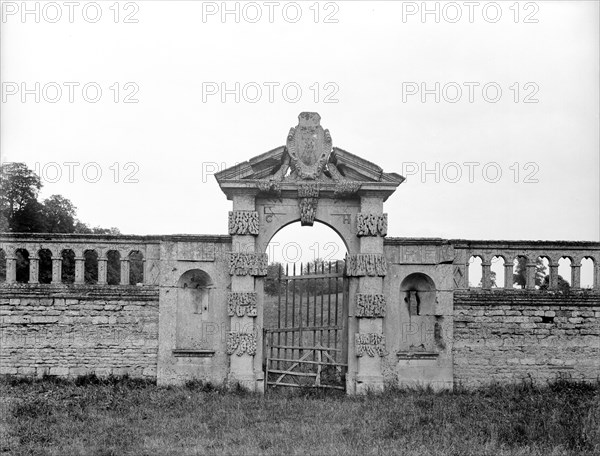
<point>362,65</point>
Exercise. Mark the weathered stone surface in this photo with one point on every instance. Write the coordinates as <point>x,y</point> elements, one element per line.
<point>254,264</point>
<point>371,224</point>
<point>370,344</point>
<point>243,222</point>
<point>366,264</point>
<point>370,305</point>
<point>106,329</point>
<point>241,303</point>
<point>240,343</point>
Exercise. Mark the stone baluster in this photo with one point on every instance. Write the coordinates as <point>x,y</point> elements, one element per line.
<point>125,271</point>
<point>102,263</point>
<point>56,270</point>
<point>79,270</point>
<point>508,275</point>
<point>553,276</point>
<point>530,276</point>
<point>576,275</point>
<point>34,269</point>
<point>11,269</point>
<point>486,276</point>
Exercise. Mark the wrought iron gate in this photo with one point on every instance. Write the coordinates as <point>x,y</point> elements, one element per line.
<point>307,345</point>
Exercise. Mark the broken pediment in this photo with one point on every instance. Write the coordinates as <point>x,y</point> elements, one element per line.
<point>308,158</point>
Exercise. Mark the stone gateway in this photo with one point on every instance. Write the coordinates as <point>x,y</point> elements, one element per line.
<point>405,313</point>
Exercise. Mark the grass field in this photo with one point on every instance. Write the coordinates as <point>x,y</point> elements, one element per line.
<point>126,417</point>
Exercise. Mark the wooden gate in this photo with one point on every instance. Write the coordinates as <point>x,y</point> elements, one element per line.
<point>307,345</point>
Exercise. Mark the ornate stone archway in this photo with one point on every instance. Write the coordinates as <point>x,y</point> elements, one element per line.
<point>308,180</point>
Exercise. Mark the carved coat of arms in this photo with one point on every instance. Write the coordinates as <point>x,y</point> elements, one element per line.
<point>309,146</point>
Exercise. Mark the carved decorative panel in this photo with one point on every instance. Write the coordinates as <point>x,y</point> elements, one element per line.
<point>366,264</point>
<point>370,344</point>
<point>371,224</point>
<point>242,264</point>
<point>243,222</point>
<point>240,343</point>
<point>370,305</point>
<point>241,303</point>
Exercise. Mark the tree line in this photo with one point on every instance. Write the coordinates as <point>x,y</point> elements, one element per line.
<point>21,211</point>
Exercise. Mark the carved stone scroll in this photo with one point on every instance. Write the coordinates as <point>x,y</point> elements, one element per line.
<point>371,224</point>
<point>241,303</point>
<point>370,344</point>
<point>345,188</point>
<point>240,343</point>
<point>269,186</point>
<point>241,264</point>
<point>366,264</point>
<point>308,192</point>
<point>370,305</point>
<point>243,222</point>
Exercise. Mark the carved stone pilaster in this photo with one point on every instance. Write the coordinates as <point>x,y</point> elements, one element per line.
<point>241,303</point>
<point>370,344</point>
<point>241,264</point>
<point>240,343</point>
<point>366,264</point>
<point>243,222</point>
<point>371,224</point>
<point>370,305</point>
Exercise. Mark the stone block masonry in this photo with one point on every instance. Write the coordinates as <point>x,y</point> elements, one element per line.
<point>70,331</point>
<point>506,336</point>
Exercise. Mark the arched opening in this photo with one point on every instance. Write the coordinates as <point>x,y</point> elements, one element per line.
<point>2,266</point>
<point>22,256</point>
<point>497,272</point>
<point>113,267</point>
<point>90,266</point>
<point>564,273</point>
<point>587,272</point>
<point>306,307</point>
<point>520,272</point>
<point>45,271</point>
<point>542,272</point>
<point>193,299</point>
<point>419,294</point>
<point>68,266</point>
<point>136,268</point>
<point>475,272</point>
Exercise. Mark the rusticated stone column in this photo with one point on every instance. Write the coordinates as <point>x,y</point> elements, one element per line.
<point>124,271</point>
<point>34,270</point>
<point>79,270</point>
<point>11,269</point>
<point>530,277</point>
<point>244,265</point>
<point>553,276</point>
<point>102,262</point>
<point>370,267</point>
<point>576,275</point>
<point>508,275</point>
<point>56,270</point>
<point>486,276</point>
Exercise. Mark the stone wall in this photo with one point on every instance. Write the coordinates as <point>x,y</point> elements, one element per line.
<point>78,329</point>
<point>509,335</point>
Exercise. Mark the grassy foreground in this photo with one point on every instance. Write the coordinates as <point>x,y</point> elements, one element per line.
<point>127,417</point>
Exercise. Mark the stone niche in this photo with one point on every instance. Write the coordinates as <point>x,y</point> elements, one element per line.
<point>422,331</point>
<point>194,298</point>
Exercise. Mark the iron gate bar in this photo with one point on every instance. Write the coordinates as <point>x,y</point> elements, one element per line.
<point>292,352</point>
